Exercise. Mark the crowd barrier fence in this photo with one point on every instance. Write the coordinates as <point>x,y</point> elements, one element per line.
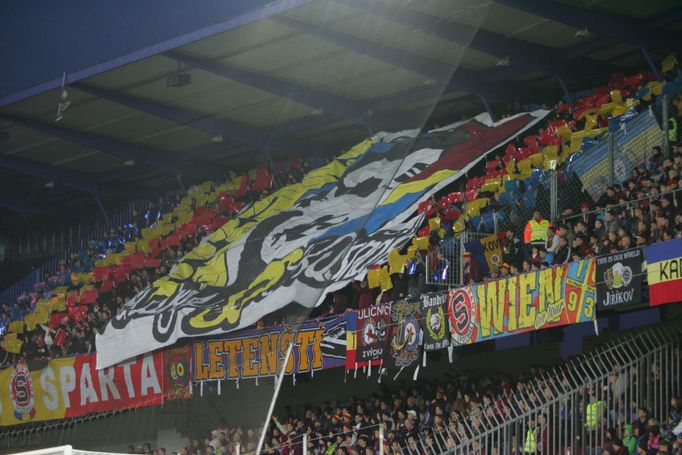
<point>570,409</point>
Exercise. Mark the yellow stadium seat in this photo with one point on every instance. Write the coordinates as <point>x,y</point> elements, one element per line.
<point>421,243</point>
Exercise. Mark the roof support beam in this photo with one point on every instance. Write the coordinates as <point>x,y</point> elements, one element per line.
<point>62,176</point>
<point>336,105</point>
<point>194,119</point>
<point>619,28</point>
<point>213,27</point>
<point>30,209</point>
<point>431,69</point>
<point>601,42</point>
<point>435,70</point>
<point>115,147</point>
<point>243,134</point>
<point>532,55</point>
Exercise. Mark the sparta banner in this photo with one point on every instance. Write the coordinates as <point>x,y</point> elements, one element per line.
<point>664,272</point>
<point>436,333</point>
<point>462,315</point>
<point>372,330</point>
<point>404,341</point>
<point>619,279</point>
<point>547,298</point>
<point>304,240</point>
<point>318,345</point>
<point>71,387</point>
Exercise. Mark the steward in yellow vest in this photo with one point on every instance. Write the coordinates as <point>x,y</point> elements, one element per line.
<point>536,230</point>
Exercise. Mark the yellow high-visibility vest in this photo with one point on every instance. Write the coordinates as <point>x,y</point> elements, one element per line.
<point>592,414</point>
<point>538,230</point>
<point>531,445</point>
<point>672,129</point>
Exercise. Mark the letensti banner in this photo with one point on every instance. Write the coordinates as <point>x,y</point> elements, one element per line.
<point>317,345</point>
<point>304,240</point>
<point>552,297</point>
<point>72,387</point>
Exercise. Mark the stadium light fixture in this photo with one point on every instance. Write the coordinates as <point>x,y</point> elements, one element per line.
<point>63,101</point>
<point>179,78</point>
<point>582,33</point>
<point>503,62</point>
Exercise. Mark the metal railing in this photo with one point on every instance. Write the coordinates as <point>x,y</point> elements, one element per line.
<point>570,409</point>
<point>78,241</point>
<point>445,266</point>
<point>630,205</point>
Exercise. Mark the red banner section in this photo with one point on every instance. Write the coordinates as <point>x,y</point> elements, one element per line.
<point>73,387</point>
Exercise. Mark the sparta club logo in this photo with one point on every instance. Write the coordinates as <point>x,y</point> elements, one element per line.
<point>462,315</point>
<point>21,393</point>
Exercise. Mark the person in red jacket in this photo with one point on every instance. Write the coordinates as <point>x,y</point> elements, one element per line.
<point>365,294</point>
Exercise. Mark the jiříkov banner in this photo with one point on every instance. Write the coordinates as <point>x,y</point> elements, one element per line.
<point>619,279</point>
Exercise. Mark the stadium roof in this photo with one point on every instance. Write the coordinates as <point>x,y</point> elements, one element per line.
<point>270,79</point>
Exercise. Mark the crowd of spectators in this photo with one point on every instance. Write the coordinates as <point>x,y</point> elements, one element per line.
<point>78,336</point>
<point>460,410</point>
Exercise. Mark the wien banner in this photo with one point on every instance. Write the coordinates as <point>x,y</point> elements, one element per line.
<point>547,298</point>
<point>619,279</point>
<point>318,345</point>
<point>72,387</point>
<point>304,240</point>
<point>664,272</point>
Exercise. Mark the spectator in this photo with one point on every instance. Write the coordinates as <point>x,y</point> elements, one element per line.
<point>563,253</point>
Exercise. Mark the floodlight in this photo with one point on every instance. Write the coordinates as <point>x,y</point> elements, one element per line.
<point>503,62</point>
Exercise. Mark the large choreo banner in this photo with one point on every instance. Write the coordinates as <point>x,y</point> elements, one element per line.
<point>304,240</point>
<point>664,272</point>
<point>72,387</point>
<point>547,298</point>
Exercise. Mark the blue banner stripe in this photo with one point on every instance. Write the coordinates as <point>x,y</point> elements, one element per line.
<point>663,251</point>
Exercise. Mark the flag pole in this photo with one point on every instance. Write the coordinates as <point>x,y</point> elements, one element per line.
<point>274,398</point>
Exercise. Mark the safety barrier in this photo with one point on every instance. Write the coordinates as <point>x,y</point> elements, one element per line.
<point>447,266</point>
<point>76,242</point>
<point>569,409</point>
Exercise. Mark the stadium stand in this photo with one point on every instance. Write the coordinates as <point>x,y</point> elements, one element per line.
<point>526,243</point>
<point>143,251</point>
<point>62,314</point>
<point>613,400</point>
